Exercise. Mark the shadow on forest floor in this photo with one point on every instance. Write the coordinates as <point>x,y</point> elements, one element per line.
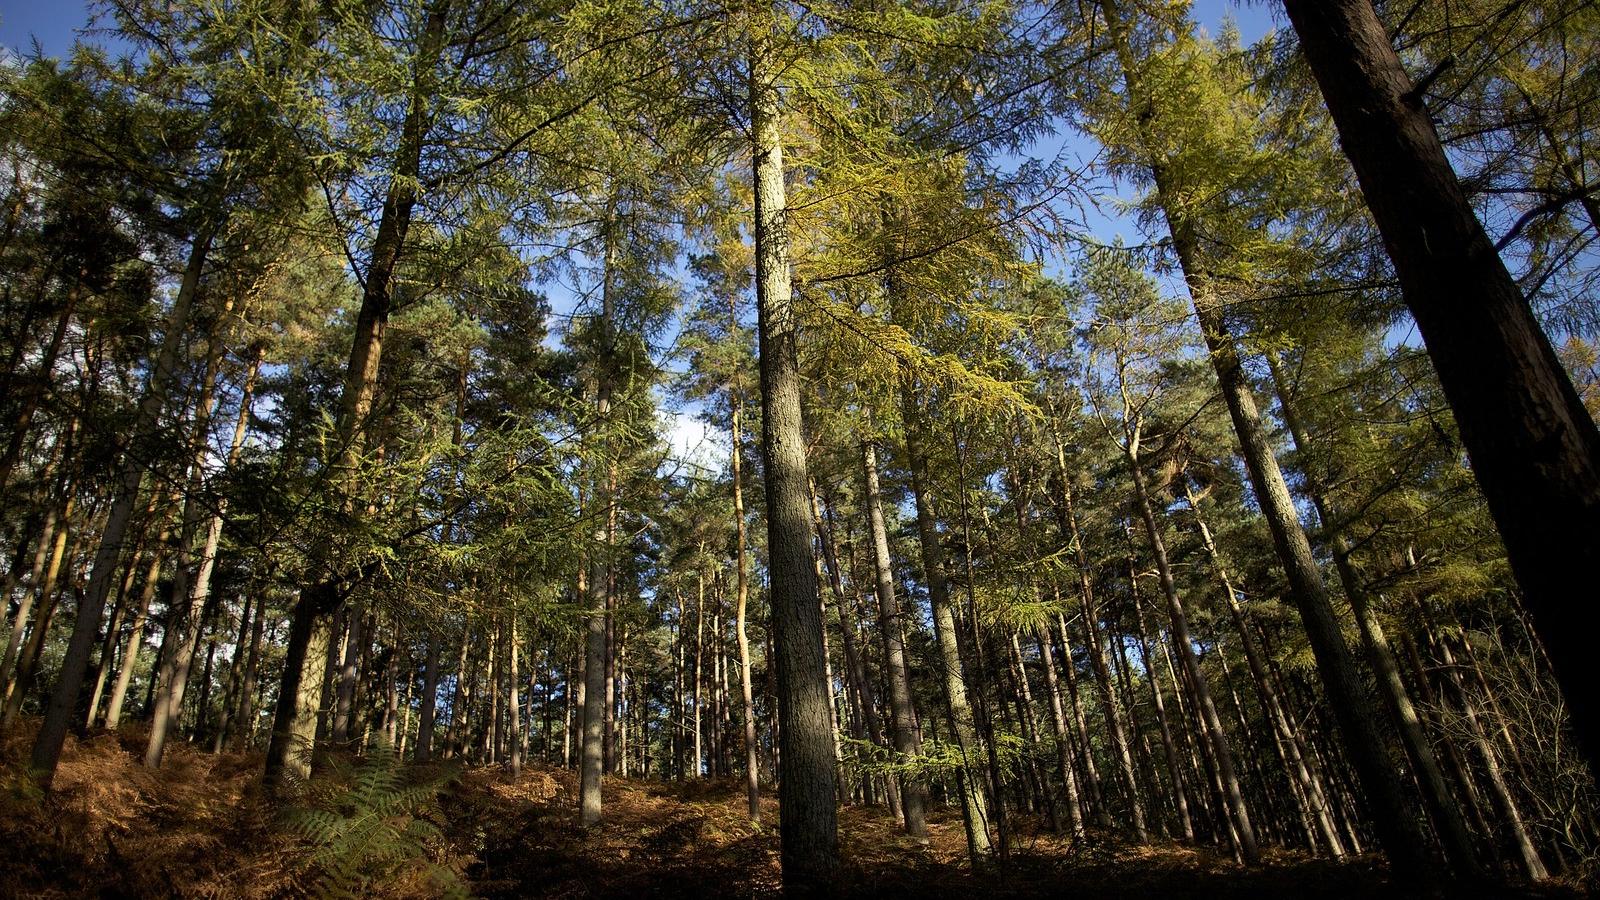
<point>201,827</point>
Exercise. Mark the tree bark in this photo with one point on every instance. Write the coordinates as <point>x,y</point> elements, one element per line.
<point>807,776</point>
<point>1533,446</point>
<point>902,715</point>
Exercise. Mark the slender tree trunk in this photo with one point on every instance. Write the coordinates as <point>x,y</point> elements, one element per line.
<point>345,681</point>
<point>1067,520</point>
<point>423,753</point>
<point>596,673</point>
<point>1310,788</point>
<point>244,733</point>
<point>913,792</point>
<point>1216,739</point>
<point>1440,802</point>
<point>699,673</point>
<point>1532,865</point>
<point>747,692</point>
<point>141,614</point>
<point>860,685</point>
<point>974,808</point>
<point>807,775</point>
<point>198,591</point>
<point>1059,720</point>
<point>514,702</point>
<point>46,752</point>
<point>1180,794</point>
<point>52,531</point>
<point>47,599</point>
<point>1079,721</point>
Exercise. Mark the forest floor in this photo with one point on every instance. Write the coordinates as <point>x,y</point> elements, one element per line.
<point>201,827</point>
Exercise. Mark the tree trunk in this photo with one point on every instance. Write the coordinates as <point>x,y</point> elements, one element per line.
<point>1534,448</point>
<point>913,791</point>
<point>1440,802</point>
<point>974,808</point>
<point>1058,720</point>
<point>294,722</point>
<point>747,693</point>
<point>1216,739</point>
<point>198,591</point>
<point>429,705</point>
<point>596,647</point>
<point>514,703</point>
<point>46,752</point>
<point>807,776</point>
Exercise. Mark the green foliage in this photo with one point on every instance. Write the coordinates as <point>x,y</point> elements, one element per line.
<point>371,827</point>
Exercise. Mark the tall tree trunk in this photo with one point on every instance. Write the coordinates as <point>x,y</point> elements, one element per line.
<point>244,732</point>
<point>974,807</point>
<point>198,591</point>
<point>913,792</point>
<point>596,647</point>
<point>1180,794</point>
<point>860,685</point>
<point>1310,787</point>
<point>1441,804</point>
<point>1079,721</point>
<point>1532,865</point>
<point>1534,447</point>
<point>752,777</point>
<point>349,670</point>
<point>46,752</point>
<point>1211,723</point>
<point>141,613</point>
<point>366,349</point>
<point>1058,720</point>
<point>807,776</point>
<point>514,702</point>
<point>1390,810</point>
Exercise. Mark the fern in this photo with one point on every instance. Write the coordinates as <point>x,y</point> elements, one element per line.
<point>367,822</point>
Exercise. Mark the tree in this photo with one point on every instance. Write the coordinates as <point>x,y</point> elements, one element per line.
<point>1533,445</point>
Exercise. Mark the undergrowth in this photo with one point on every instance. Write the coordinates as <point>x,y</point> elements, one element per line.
<point>372,826</point>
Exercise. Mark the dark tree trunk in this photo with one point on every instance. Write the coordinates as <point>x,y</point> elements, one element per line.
<point>1534,448</point>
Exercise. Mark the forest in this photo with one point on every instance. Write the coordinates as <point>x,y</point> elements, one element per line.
<point>619,448</point>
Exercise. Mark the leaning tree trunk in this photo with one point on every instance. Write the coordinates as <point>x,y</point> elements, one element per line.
<point>807,777</point>
<point>1391,814</point>
<point>1533,445</point>
<point>1211,724</point>
<point>170,700</point>
<point>46,753</point>
<point>1067,522</point>
<point>1441,804</point>
<point>366,352</point>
